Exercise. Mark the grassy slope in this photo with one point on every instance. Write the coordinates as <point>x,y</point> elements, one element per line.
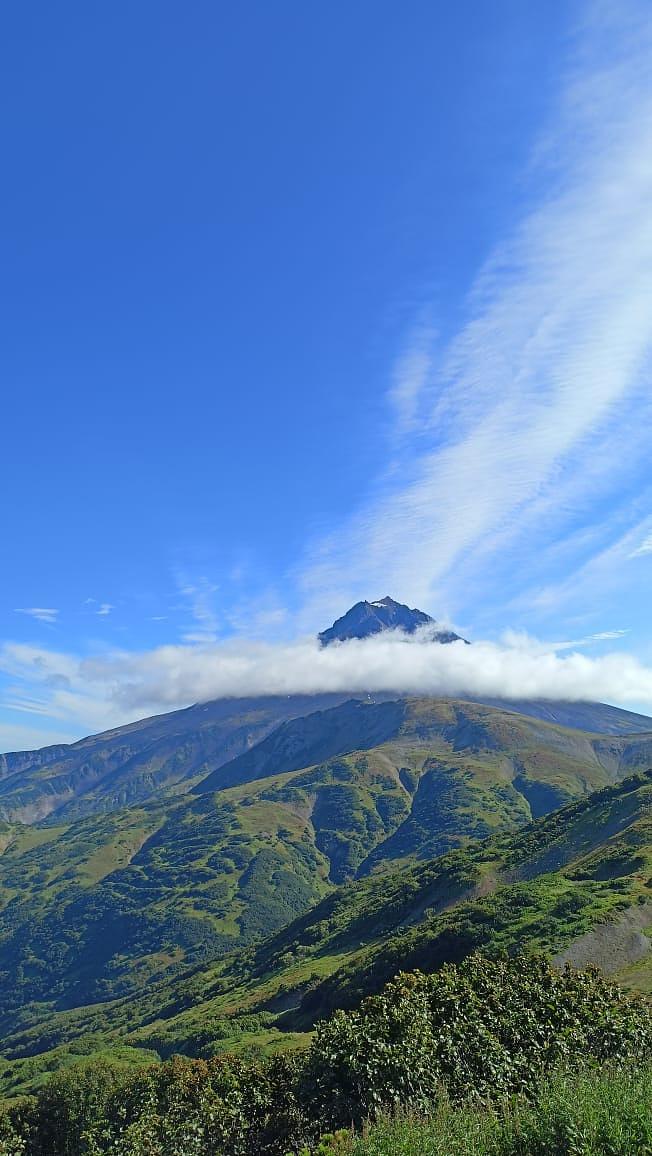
<point>543,887</point>
<point>135,762</point>
<point>592,1114</point>
<point>104,906</point>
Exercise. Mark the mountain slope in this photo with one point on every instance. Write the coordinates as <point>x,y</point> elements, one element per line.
<point>466,769</point>
<point>598,717</point>
<point>104,906</point>
<point>351,726</point>
<point>547,887</point>
<point>566,884</point>
<point>135,762</point>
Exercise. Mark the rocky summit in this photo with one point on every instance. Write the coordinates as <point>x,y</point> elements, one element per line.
<point>367,618</point>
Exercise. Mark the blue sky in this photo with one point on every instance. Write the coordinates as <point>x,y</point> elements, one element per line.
<point>304,304</point>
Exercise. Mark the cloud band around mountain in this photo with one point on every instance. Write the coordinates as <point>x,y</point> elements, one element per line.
<point>92,694</point>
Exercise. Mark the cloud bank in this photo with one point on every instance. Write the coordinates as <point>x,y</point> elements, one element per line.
<point>111,689</point>
<point>519,668</point>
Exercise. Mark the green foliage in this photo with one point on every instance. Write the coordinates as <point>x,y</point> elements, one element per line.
<point>471,1035</point>
<point>189,1107</point>
<point>483,1029</point>
<point>71,1105</point>
<point>11,1141</point>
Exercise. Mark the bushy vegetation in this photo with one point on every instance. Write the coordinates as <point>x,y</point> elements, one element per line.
<point>471,1035</point>
<point>487,1027</point>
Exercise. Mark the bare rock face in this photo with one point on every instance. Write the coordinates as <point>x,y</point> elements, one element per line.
<point>367,618</point>
<point>611,946</point>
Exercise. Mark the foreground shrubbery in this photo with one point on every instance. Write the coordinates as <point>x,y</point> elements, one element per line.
<point>479,1032</point>
<point>483,1028</point>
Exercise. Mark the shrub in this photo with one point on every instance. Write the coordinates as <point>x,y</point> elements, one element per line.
<point>193,1107</point>
<point>482,1029</point>
<point>477,1033</point>
<point>72,1104</point>
<point>11,1142</point>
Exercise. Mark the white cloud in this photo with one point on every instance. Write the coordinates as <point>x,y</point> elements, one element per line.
<point>550,377</point>
<point>120,683</point>
<point>518,668</point>
<point>410,379</point>
<point>40,613</point>
<point>48,683</point>
<point>90,694</point>
<point>105,608</point>
<point>645,547</point>
<point>519,639</point>
<point>605,570</point>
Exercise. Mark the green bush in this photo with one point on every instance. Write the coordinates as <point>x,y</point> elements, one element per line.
<point>188,1107</point>
<point>72,1105</point>
<point>485,1028</point>
<point>11,1142</point>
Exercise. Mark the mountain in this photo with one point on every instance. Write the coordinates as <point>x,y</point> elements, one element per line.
<point>173,752</point>
<point>218,876</point>
<point>367,618</point>
<point>102,907</point>
<point>136,762</point>
<point>576,884</point>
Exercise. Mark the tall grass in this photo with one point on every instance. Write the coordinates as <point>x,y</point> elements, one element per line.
<point>606,1113</point>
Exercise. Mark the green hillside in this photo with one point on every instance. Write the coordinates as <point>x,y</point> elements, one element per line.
<point>578,880</point>
<point>136,762</point>
<point>102,906</point>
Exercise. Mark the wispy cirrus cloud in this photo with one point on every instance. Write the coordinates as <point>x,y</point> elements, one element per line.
<point>411,377</point>
<point>103,608</point>
<point>645,547</point>
<point>610,570</point>
<point>39,613</point>
<point>548,381</point>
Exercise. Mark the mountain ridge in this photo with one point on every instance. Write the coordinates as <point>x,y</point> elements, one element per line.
<point>170,751</point>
